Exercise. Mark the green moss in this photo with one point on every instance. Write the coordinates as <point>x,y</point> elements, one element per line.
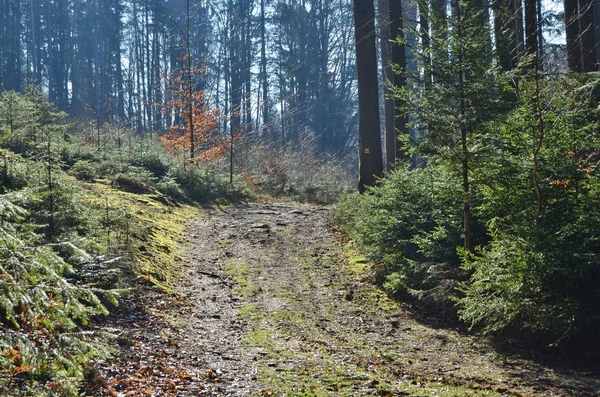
<point>237,269</point>
<point>240,273</point>
<point>225,243</point>
<point>357,264</point>
<point>259,338</point>
<point>158,228</point>
<point>284,293</point>
<point>299,349</point>
<point>248,312</point>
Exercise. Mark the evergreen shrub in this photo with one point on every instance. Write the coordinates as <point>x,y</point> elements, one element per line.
<point>535,204</point>
<point>410,224</point>
<point>45,313</point>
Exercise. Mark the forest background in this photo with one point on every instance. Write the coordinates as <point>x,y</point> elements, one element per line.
<point>485,207</point>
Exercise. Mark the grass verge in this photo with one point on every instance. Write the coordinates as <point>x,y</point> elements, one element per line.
<point>157,228</point>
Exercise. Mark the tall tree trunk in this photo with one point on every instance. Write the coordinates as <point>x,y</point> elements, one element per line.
<point>154,88</point>
<point>34,9</point>
<point>483,9</point>
<point>588,39</point>
<point>264,81</point>
<point>531,31</point>
<point>540,33</point>
<point>120,86</point>
<point>385,45</point>
<point>596,11</point>
<point>502,33</point>
<point>247,56</point>
<point>12,78</point>
<point>190,81</point>
<point>236,82</point>
<point>323,91</point>
<point>462,76</point>
<point>439,31</point>
<point>517,46</point>
<point>399,59</point>
<point>282,87</point>
<point>149,99</point>
<point>369,139</point>
<point>425,40</point>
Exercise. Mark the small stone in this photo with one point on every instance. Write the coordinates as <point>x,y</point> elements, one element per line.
<point>259,226</point>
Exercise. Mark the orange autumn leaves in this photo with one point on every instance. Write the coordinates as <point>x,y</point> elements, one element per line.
<point>197,124</point>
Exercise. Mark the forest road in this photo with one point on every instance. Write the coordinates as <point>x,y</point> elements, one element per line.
<point>277,306</point>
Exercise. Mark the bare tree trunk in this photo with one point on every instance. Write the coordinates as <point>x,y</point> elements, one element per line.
<point>517,40</point>
<point>236,81</point>
<point>531,32</point>
<point>369,140</point>
<point>399,59</point>
<point>588,39</point>
<point>37,72</point>
<point>385,45</point>
<point>502,32</point>
<point>263,66</point>
<point>247,63</point>
<point>439,30</point>
<point>596,12</point>
<point>425,40</point>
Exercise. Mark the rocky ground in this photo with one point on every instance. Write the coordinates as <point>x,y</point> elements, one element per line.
<point>272,304</point>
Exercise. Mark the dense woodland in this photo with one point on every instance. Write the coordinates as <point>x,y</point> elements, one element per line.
<point>285,68</point>
<point>492,208</point>
<point>474,123</point>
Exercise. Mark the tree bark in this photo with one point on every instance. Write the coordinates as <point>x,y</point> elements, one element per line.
<point>369,140</point>
<point>596,11</point>
<point>425,40</point>
<point>399,59</point>
<point>439,32</point>
<point>517,40</point>
<point>572,33</point>
<point>236,80</point>
<point>502,32</point>
<point>587,37</point>
<point>385,45</point>
<point>264,81</point>
<point>531,32</point>
<point>464,133</point>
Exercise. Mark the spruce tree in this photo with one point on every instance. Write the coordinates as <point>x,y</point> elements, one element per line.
<point>466,96</point>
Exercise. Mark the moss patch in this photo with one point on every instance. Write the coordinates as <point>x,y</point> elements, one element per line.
<point>157,228</point>
<point>356,263</point>
<point>239,272</point>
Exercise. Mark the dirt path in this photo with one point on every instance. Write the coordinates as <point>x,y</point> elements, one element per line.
<point>275,309</point>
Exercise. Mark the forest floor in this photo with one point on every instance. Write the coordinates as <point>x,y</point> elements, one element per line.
<point>272,303</point>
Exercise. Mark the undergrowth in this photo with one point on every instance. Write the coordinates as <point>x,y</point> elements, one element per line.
<point>530,272</point>
<point>85,208</point>
<point>79,219</point>
<point>299,172</point>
